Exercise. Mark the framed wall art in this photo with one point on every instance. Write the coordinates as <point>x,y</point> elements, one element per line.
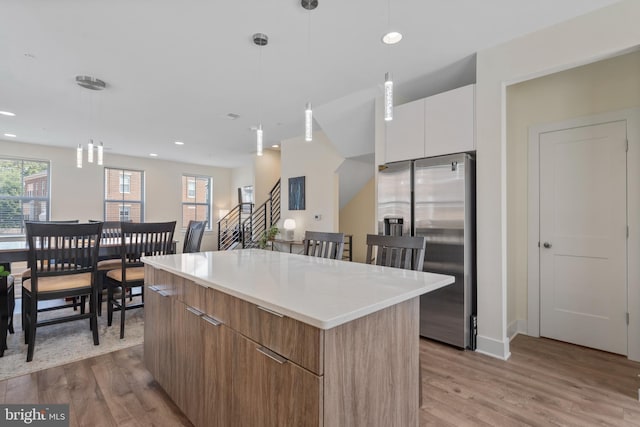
<point>296,193</point>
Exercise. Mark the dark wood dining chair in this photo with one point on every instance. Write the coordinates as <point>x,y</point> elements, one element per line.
<point>324,245</point>
<point>396,251</point>
<point>111,233</point>
<point>62,259</point>
<point>137,240</point>
<point>193,236</point>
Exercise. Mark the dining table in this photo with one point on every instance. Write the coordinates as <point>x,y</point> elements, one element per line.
<point>16,251</point>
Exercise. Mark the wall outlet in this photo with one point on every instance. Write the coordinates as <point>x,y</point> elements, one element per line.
<point>317,217</point>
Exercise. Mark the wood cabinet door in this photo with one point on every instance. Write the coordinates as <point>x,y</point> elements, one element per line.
<point>217,350</point>
<point>158,339</point>
<point>188,367</point>
<point>405,133</point>
<point>269,390</point>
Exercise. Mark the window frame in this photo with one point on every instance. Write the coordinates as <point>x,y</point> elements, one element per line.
<point>184,190</point>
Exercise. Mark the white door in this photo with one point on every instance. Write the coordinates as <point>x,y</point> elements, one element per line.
<point>583,236</point>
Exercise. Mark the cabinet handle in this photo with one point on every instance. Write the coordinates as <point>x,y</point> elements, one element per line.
<point>275,313</point>
<point>195,311</point>
<point>271,355</point>
<point>211,320</point>
<point>154,288</point>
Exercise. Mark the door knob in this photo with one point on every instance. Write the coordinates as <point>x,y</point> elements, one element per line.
<point>546,245</point>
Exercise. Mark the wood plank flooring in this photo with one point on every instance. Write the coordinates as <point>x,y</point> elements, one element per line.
<point>544,383</point>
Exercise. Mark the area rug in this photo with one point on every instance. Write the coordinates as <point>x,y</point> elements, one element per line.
<point>68,342</point>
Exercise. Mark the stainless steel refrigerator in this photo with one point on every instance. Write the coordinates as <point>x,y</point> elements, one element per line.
<point>435,198</point>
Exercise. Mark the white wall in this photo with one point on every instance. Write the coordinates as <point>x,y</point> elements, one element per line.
<point>584,39</point>
<point>79,193</point>
<point>608,85</point>
<point>240,177</point>
<point>267,173</point>
<point>317,162</point>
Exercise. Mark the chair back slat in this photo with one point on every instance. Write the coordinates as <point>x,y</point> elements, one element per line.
<point>62,248</point>
<point>396,251</point>
<point>324,245</point>
<point>145,239</point>
<point>193,236</point>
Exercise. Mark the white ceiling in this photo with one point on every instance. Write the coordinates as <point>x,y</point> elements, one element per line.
<point>174,69</point>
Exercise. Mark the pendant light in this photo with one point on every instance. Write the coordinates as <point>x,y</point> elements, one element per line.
<point>100,153</point>
<point>309,5</point>
<point>388,97</point>
<point>391,37</point>
<point>92,84</point>
<point>79,156</point>
<point>90,151</point>
<point>260,40</point>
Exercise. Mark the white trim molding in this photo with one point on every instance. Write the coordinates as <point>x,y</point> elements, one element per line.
<point>494,348</point>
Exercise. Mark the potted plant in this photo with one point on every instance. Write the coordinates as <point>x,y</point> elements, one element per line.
<point>267,235</point>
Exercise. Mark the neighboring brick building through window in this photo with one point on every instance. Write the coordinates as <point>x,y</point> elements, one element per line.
<point>123,195</point>
<point>196,199</point>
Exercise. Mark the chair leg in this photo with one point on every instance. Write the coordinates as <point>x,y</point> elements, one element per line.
<point>109,304</point>
<point>12,306</point>
<point>94,316</point>
<point>83,300</point>
<point>123,296</point>
<point>25,321</point>
<point>33,321</point>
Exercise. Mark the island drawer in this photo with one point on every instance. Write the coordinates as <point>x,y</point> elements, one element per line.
<point>299,342</point>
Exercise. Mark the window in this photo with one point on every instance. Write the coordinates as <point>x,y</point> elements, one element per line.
<point>125,183</point>
<point>125,213</point>
<point>196,199</point>
<point>123,195</point>
<point>24,194</point>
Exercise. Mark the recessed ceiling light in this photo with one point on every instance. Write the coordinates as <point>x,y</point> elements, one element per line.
<point>275,146</point>
<point>153,154</point>
<point>179,143</point>
<point>7,113</point>
<point>392,37</point>
<point>10,135</point>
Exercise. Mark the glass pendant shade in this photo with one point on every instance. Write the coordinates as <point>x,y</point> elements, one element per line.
<point>388,97</point>
<point>308,123</point>
<point>79,156</point>
<point>100,153</point>
<point>90,151</point>
<point>259,140</point>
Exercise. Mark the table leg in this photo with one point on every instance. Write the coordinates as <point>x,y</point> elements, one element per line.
<point>4,313</point>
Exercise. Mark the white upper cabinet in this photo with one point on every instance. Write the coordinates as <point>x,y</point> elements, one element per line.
<point>433,126</point>
<point>449,122</point>
<point>405,133</point>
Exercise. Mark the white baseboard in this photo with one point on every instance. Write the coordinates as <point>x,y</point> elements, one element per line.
<point>492,347</point>
<point>516,327</point>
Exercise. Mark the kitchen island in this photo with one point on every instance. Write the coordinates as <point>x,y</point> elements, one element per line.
<point>261,338</point>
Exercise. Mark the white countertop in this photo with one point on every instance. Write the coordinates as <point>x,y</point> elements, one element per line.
<point>320,292</point>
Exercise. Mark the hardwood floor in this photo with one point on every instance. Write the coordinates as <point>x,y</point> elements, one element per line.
<point>114,389</point>
<point>544,383</point>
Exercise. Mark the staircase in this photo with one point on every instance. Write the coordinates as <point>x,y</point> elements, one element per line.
<point>244,225</point>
